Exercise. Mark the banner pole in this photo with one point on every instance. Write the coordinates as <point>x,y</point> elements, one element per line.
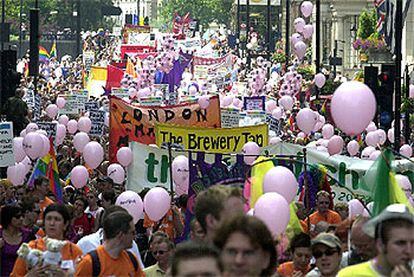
<point>171,171</point>
<point>307,193</point>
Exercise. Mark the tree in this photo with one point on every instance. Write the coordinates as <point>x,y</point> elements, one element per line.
<point>205,11</point>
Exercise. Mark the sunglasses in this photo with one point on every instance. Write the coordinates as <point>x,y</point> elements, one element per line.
<point>327,253</point>
<point>324,202</point>
<point>161,252</point>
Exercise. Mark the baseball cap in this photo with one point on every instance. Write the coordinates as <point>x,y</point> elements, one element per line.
<point>393,211</point>
<point>327,239</point>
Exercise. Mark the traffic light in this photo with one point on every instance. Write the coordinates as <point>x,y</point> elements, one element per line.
<point>385,94</point>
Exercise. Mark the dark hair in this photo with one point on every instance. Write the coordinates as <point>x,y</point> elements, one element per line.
<point>383,229</point>
<point>109,195</point>
<point>7,214</point>
<point>111,209</point>
<point>300,240</point>
<point>115,223</point>
<point>255,230</point>
<point>60,208</point>
<point>212,201</point>
<point>190,250</point>
<point>83,200</point>
<point>28,203</point>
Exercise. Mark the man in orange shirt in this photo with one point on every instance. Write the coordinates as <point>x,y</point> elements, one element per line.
<point>112,258</point>
<point>300,248</point>
<point>42,188</point>
<point>323,213</point>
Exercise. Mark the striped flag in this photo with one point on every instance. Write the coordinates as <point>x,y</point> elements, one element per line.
<point>53,50</point>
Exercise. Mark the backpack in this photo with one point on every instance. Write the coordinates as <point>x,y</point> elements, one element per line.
<point>96,264</point>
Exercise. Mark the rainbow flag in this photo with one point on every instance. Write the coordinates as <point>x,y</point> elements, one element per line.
<point>53,50</point>
<point>43,54</point>
<point>47,167</point>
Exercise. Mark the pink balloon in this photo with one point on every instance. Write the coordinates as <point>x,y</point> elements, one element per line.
<point>23,133</point>
<point>371,127</point>
<point>204,101</point>
<point>275,140</point>
<point>327,131</point>
<point>307,31</point>
<point>61,131</point>
<point>277,113</point>
<point>411,95</point>
<point>300,49</point>
<point>226,100</point>
<point>286,102</point>
<point>270,106</point>
<point>406,150</point>
<point>372,139</point>
<point>18,150</point>
<point>116,172</point>
<point>319,124</point>
<point>404,182</point>
<point>16,174</point>
<point>335,145</point>
<point>33,145</point>
<point>295,38</point>
<point>46,146</point>
<point>299,24</point>
<point>124,156</point>
<point>274,210</point>
<point>390,135</point>
<point>31,127</point>
<point>63,119</point>
<point>80,140</point>
<point>352,148</point>
<point>52,110</point>
<point>382,136</point>
<point>353,107</point>
<point>237,103</point>
<point>355,208</point>
<point>131,201</point>
<point>72,126</point>
<point>157,203</point>
<point>60,102</point>
<point>281,180</point>
<point>366,152</point>
<point>106,120</point>
<point>79,176</point>
<point>84,124</point>
<point>320,80</point>
<point>306,120</point>
<point>27,163</point>
<point>93,154</point>
<point>180,175</point>
<point>306,8</point>
<point>250,148</point>
<point>374,155</point>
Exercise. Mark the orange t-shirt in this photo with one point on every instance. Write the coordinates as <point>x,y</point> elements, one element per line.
<point>331,217</point>
<point>166,224</point>
<point>43,204</point>
<point>109,266</point>
<point>287,269</point>
<point>70,252</point>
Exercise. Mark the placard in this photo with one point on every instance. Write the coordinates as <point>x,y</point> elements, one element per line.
<point>171,97</point>
<point>88,59</point>
<point>97,118</point>
<point>254,103</point>
<point>151,101</point>
<point>91,106</point>
<point>49,127</point>
<point>274,124</point>
<point>6,144</point>
<point>72,105</point>
<point>230,117</point>
<point>120,92</point>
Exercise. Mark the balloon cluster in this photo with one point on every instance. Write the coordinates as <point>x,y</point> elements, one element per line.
<point>165,60</point>
<point>303,31</point>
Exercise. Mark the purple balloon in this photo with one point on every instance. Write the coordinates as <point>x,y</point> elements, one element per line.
<point>353,107</point>
<point>116,172</point>
<point>281,180</point>
<point>406,150</point>
<point>93,154</point>
<point>295,38</point>
<point>372,139</point>
<point>204,101</point>
<point>61,131</point>
<point>63,119</point>
<point>355,208</point>
<point>72,126</point>
<point>157,203</point>
<point>46,146</point>
<point>320,80</point>
<point>286,102</point>
<point>352,148</point>
<point>60,102</point>
<point>274,210</point>
<point>79,176</point>
<point>124,156</point>
<point>132,202</point>
<point>52,111</point>
<point>299,23</point>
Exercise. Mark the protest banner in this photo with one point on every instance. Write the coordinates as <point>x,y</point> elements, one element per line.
<point>137,123</point>
<point>6,144</point>
<point>97,118</point>
<point>120,92</point>
<point>88,59</point>
<point>254,103</point>
<point>274,124</point>
<point>226,140</point>
<point>37,107</point>
<point>91,106</point>
<point>151,101</point>
<point>49,127</point>
<point>230,117</point>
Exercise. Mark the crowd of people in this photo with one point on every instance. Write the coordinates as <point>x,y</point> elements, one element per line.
<point>102,239</point>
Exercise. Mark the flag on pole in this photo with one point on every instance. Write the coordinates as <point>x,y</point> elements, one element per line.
<point>130,68</point>
<point>53,50</point>
<point>43,54</point>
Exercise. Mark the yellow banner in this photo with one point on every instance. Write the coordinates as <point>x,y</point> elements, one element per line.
<point>217,140</point>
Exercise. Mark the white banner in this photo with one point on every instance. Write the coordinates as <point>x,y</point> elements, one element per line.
<point>6,144</point>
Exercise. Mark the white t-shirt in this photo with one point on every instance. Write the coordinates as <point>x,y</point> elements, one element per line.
<point>91,242</point>
<point>94,213</point>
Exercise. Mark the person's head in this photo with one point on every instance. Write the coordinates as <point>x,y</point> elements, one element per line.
<point>326,249</point>
<point>362,244</point>
<point>20,193</point>
<point>300,247</point>
<point>31,209</point>
<point>215,204</point>
<point>247,247</point>
<point>195,259</point>
<point>323,201</point>
<point>80,205</point>
<point>41,185</point>
<point>342,210</point>
<point>394,235</point>
<point>19,92</point>
<point>6,188</point>
<point>11,216</point>
<point>162,250</point>
<point>92,198</point>
<point>119,227</point>
<point>108,211</point>
<point>108,198</point>
<point>196,232</point>
<point>104,183</point>
<point>320,227</point>
<point>68,194</point>
<point>56,220</point>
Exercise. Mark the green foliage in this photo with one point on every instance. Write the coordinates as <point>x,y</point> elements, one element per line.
<point>367,23</point>
<point>329,87</point>
<point>306,71</point>
<point>205,11</point>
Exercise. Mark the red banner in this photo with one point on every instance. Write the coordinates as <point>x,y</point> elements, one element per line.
<point>137,123</point>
